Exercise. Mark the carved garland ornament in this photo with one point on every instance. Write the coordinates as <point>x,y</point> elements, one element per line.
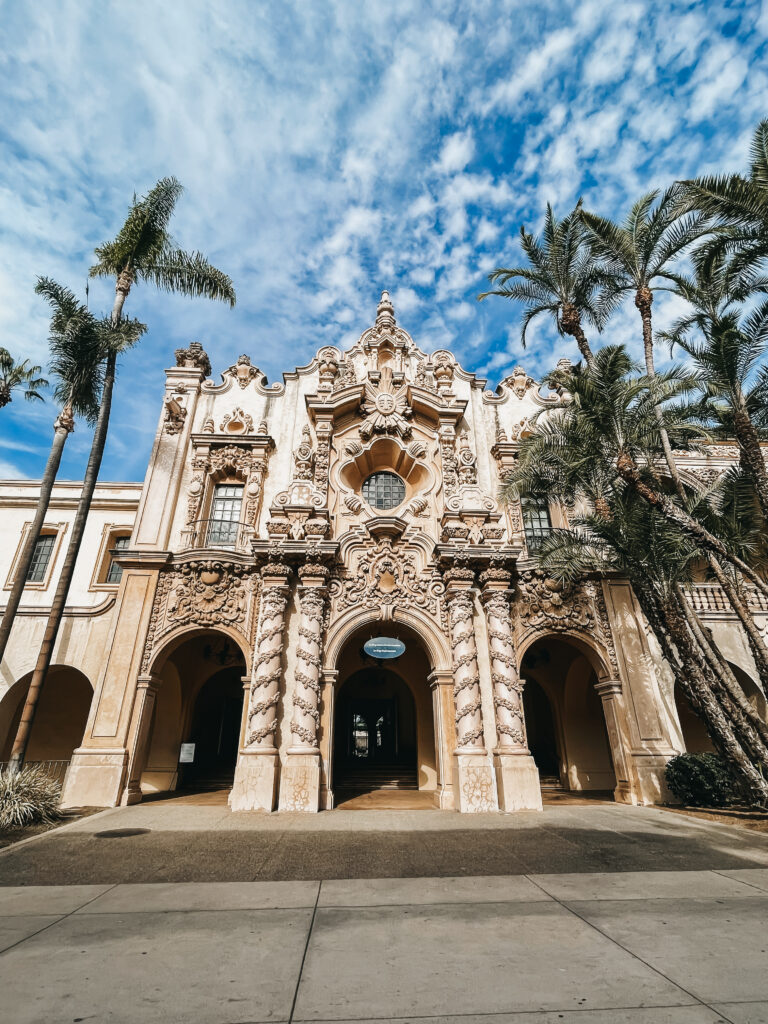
<point>267,666</point>
<point>466,686</point>
<point>306,698</point>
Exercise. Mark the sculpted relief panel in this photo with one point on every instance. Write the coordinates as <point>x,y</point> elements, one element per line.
<point>202,593</point>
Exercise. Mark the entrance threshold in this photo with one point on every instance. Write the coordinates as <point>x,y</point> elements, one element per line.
<point>385,800</point>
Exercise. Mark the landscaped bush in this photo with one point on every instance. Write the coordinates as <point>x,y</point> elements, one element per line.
<point>28,796</point>
<point>700,780</point>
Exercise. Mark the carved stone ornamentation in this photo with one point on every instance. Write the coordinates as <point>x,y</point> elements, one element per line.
<point>304,456</point>
<point>206,592</point>
<point>519,382</point>
<point>510,721</point>
<point>467,461</point>
<point>194,357</point>
<point>237,422</point>
<point>385,407</point>
<point>324,431</point>
<point>244,372</point>
<point>327,369</point>
<point>385,577</point>
<point>346,376</point>
<point>466,686</point>
<point>264,694</point>
<point>306,697</point>
<point>443,369</point>
<point>450,463</point>
<point>175,415</point>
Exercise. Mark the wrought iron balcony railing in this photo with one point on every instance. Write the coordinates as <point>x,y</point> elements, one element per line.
<point>222,534</point>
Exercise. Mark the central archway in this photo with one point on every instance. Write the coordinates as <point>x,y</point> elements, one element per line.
<point>384,751</point>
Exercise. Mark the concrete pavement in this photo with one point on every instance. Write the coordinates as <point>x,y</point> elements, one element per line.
<point>496,942</point>
<point>619,948</point>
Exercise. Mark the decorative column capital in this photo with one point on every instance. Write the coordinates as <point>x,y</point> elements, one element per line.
<point>494,579</point>
<point>440,677</point>
<point>313,575</point>
<point>458,580</point>
<point>150,683</point>
<point>609,687</point>
<point>275,574</point>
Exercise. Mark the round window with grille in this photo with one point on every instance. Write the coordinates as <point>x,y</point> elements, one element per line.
<point>384,490</point>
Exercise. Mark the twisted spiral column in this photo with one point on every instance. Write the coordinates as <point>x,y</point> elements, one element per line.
<point>267,667</point>
<point>306,695</point>
<point>507,688</point>
<point>466,677</point>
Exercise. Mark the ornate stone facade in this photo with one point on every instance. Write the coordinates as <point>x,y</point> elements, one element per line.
<point>283,526</point>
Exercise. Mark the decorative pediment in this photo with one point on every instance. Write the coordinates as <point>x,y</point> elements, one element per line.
<point>237,422</point>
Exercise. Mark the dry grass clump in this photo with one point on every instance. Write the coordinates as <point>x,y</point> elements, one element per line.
<point>28,796</point>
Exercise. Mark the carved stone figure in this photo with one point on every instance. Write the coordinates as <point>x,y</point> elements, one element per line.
<point>304,456</point>
<point>385,408</point>
<point>194,356</point>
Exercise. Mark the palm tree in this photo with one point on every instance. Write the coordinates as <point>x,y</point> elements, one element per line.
<point>637,255</point>
<point>142,251</point>
<point>15,375</point>
<point>562,279</point>
<point>728,351</point>
<point>738,204</point>
<point>623,535</point>
<point>76,363</point>
<point>612,421</point>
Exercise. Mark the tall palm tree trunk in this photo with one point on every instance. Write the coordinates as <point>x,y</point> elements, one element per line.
<point>629,472</point>
<point>62,590</point>
<point>62,428</point>
<point>570,321</point>
<point>740,606</point>
<point>671,628</point>
<point>752,456</point>
<point>744,716</point>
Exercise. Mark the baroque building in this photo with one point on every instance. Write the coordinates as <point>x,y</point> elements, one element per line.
<point>223,613</point>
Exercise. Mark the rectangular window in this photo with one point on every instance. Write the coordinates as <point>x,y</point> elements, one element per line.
<point>536,522</point>
<point>115,571</point>
<point>225,515</point>
<point>40,558</point>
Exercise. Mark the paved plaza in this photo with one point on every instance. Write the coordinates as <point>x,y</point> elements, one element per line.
<point>582,914</point>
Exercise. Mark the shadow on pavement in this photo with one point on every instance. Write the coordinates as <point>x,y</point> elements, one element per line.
<point>246,855</point>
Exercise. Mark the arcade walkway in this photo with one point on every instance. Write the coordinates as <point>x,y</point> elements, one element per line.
<point>600,914</point>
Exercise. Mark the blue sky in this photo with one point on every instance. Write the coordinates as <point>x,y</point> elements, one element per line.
<point>332,150</point>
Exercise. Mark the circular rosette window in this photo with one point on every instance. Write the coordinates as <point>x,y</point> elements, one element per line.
<point>384,490</point>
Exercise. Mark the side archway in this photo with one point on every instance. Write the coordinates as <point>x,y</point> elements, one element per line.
<point>60,717</point>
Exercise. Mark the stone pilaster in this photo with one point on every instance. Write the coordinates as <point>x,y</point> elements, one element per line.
<point>255,785</point>
<point>300,776</point>
<point>474,788</point>
<point>138,740</point>
<point>617,727</point>
<point>517,777</point>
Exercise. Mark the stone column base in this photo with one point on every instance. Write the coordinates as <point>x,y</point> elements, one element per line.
<point>473,786</point>
<point>300,783</point>
<point>255,785</point>
<point>95,778</point>
<point>517,782</point>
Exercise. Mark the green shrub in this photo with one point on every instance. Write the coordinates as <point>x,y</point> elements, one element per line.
<point>701,780</point>
<point>28,796</point>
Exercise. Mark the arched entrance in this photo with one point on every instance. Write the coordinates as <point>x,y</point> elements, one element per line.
<point>383,724</point>
<point>60,717</point>
<point>564,718</point>
<point>197,718</point>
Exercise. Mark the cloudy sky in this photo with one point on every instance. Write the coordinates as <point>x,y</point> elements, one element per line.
<point>333,149</point>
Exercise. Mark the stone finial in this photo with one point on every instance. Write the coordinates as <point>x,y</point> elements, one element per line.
<point>385,312</point>
<point>195,357</point>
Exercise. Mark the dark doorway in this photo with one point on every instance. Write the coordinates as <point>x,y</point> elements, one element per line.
<point>215,731</point>
<point>540,728</point>
<point>375,741</point>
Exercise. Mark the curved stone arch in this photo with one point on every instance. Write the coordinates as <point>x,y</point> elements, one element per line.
<point>595,652</point>
<point>435,642</point>
<point>14,696</point>
<point>171,642</point>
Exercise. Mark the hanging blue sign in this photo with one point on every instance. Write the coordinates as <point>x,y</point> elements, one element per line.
<point>384,648</point>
